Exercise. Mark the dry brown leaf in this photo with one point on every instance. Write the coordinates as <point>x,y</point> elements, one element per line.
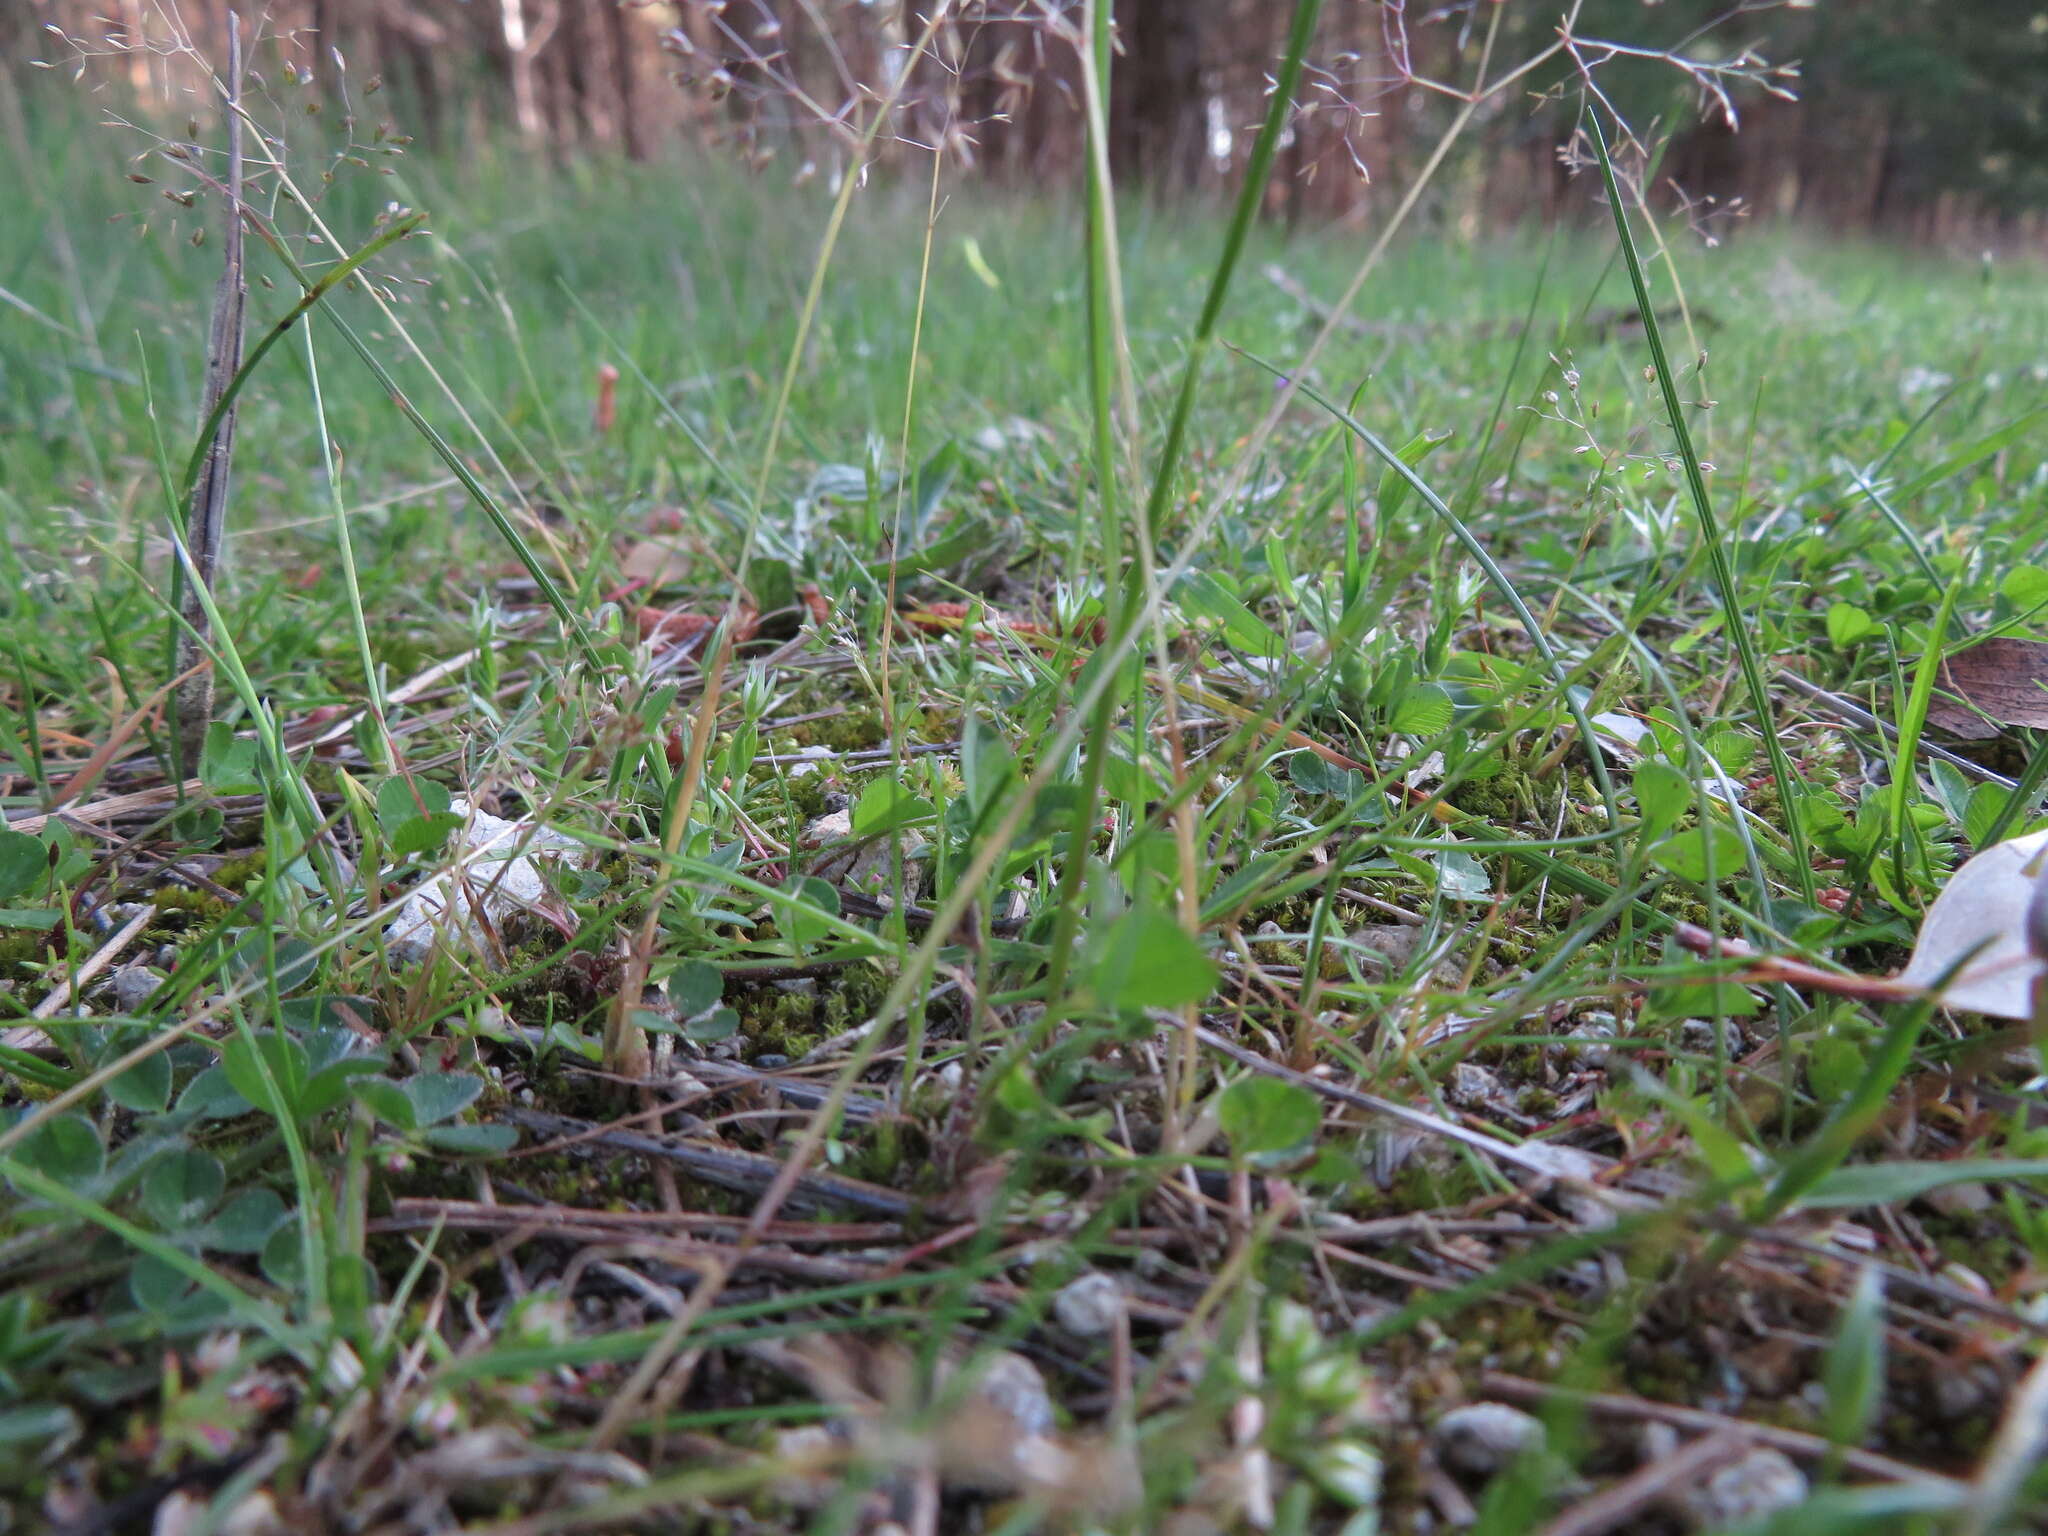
<point>655,563</point>
<point>668,627</point>
<point>2003,678</point>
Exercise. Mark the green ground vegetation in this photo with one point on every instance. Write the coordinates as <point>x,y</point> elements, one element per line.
<point>1240,796</point>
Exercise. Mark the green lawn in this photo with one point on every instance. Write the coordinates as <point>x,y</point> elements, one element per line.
<point>1129,1049</point>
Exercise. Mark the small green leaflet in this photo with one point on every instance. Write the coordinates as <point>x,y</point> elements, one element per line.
<point>1204,597</point>
<point>1848,624</point>
<point>1663,794</point>
<point>23,861</point>
<point>801,919</point>
<point>885,805</point>
<point>1267,1119</point>
<point>1684,854</point>
<point>1150,961</point>
<point>1424,710</point>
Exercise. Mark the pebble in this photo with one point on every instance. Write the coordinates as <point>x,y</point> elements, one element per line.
<point>1012,1385</point>
<point>1480,1439</point>
<point>1756,1485</point>
<point>1090,1305</point>
<point>1589,1037</point>
<point>1960,1199</point>
<point>1960,1393</point>
<point>1697,1036</point>
<point>1473,1087</point>
<point>131,986</point>
<point>500,876</point>
<point>1391,948</point>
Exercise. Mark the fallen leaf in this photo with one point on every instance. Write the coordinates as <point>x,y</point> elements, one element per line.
<point>655,563</point>
<point>2003,678</point>
<point>673,626</point>
<point>668,627</point>
<point>1985,904</point>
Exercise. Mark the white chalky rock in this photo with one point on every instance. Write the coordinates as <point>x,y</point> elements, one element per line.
<point>1013,1387</point>
<point>865,866</point>
<point>131,986</point>
<point>489,868</point>
<point>1480,1439</point>
<point>1752,1487</point>
<point>1089,1306</point>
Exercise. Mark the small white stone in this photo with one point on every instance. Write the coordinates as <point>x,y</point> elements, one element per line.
<point>1697,1037</point>
<point>1013,1386</point>
<point>494,862</point>
<point>1752,1487</point>
<point>1480,1439</point>
<point>131,986</point>
<point>1960,1199</point>
<point>1474,1087</point>
<point>1960,1393</point>
<point>832,827</point>
<point>818,757</point>
<point>1589,1037</point>
<point>1090,1305</point>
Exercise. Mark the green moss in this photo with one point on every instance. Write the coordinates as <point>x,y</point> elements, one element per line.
<point>236,873</point>
<point>1423,1183</point>
<point>781,1023</point>
<point>854,731</point>
<point>1504,798</point>
<point>807,796</point>
<point>18,953</point>
<point>1662,1374</point>
<point>1978,1241</point>
<point>1682,903</point>
<point>178,899</point>
<point>792,1023</point>
<point>1515,1339</point>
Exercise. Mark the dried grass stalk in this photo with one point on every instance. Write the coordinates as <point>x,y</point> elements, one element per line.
<point>206,517</point>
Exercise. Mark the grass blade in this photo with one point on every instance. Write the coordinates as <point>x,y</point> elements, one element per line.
<point>1735,619</point>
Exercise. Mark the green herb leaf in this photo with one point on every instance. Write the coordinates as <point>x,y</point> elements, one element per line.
<point>1267,1118</point>
<point>1150,961</point>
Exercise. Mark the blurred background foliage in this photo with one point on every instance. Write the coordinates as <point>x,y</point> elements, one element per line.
<point>1902,117</point>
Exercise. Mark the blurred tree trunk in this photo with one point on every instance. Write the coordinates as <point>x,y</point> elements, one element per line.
<point>524,41</point>
<point>1158,108</point>
<point>584,116</point>
<point>625,80</point>
<point>406,48</point>
<point>326,41</point>
<point>1023,105</point>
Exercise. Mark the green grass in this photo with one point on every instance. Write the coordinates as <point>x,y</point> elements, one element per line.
<point>1132,948</point>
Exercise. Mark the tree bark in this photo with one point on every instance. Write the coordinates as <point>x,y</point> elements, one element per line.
<point>625,81</point>
<point>1157,105</point>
